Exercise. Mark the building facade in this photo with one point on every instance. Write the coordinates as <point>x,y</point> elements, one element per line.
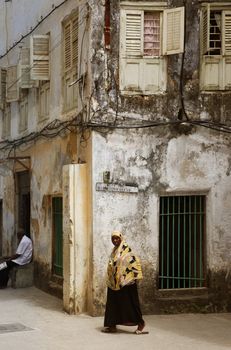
<point>116,115</point>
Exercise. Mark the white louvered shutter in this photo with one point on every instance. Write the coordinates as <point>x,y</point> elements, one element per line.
<point>75,33</point>
<point>227,33</point>
<point>39,57</point>
<point>131,33</point>
<point>205,23</point>
<point>67,47</point>
<point>227,49</point>
<point>24,69</point>
<point>12,85</point>
<point>173,31</point>
<point>2,87</point>
<point>131,50</point>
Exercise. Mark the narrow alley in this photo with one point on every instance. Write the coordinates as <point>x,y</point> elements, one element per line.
<point>32,319</point>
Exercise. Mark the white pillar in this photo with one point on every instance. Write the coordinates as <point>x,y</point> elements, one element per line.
<point>75,238</point>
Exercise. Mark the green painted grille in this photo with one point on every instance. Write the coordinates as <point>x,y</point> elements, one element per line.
<point>182,240</point>
<point>57,208</point>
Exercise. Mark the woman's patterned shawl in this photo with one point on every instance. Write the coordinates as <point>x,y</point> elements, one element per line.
<point>123,266</point>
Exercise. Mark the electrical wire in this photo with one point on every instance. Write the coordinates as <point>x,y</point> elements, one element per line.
<point>33,29</point>
<point>50,51</point>
<point>77,124</point>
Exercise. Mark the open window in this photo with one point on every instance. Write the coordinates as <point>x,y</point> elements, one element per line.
<point>12,84</point>
<point>23,109</point>
<point>2,87</point>
<point>215,36</point>
<point>147,35</point>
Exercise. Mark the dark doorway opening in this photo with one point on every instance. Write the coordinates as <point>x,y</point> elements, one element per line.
<point>23,190</point>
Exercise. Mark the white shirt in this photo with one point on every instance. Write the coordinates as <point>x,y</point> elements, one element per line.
<point>24,249</point>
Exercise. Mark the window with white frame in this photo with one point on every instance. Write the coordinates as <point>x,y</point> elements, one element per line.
<point>6,122</point>
<point>215,37</point>
<point>44,99</point>
<point>148,33</point>
<point>70,62</point>
<point>23,109</point>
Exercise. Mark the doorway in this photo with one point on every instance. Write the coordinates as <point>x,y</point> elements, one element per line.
<point>23,201</point>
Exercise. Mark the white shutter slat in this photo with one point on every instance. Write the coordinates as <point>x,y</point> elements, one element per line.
<point>39,57</point>
<point>12,86</point>
<point>227,33</point>
<point>173,31</point>
<point>2,87</point>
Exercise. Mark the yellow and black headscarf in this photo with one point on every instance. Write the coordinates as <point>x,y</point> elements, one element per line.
<point>123,267</point>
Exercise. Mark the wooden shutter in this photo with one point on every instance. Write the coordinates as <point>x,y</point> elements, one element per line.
<point>227,33</point>
<point>67,46</point>
<point>2,87</point>
<point>205,29</point>
<point>39,57</point>
<point>75,33</point>
<point>131,32</point>
<point>173,31</point>
<point>24,69</point>
<point>12,86</point>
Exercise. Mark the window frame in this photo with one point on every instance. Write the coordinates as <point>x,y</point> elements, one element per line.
<point>44,88</point>
<point>174,218</point>
<point>143,74</point>
<point>23,110</point>
<point>217,66</point>
<point>6,121</point>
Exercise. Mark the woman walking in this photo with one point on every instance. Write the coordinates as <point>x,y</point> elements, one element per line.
<point>122,306</point>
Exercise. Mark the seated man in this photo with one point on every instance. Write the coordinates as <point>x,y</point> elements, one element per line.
<point>22,256</point>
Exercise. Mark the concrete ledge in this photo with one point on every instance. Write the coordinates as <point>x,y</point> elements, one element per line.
<point>22,276</point>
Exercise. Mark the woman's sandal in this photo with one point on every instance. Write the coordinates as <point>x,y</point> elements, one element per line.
<point>140,329</point>
<point>138,332</point>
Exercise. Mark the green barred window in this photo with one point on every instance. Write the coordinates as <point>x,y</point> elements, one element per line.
<point>182,242</point>
<point>57,211</point>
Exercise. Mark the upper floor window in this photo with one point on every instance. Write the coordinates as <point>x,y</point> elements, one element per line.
<point>215,47</point>
<point>147,34</point>
<point>70,62</point>
<point>44,99</point>
<point>23,109</point>
<point>6,122</point>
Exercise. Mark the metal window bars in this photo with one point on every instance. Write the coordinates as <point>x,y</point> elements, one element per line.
<point>182,241</point>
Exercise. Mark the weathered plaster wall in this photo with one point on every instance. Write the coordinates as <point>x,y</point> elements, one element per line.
<point>197,163</point>
<point>47,161</point>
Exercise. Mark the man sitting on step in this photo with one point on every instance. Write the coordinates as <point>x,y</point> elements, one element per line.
<point>22,256</point>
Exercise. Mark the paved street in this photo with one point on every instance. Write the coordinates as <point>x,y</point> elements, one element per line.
<point>31,319</point>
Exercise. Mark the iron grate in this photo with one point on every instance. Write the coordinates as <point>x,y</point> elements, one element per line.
<point>13,327</point>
